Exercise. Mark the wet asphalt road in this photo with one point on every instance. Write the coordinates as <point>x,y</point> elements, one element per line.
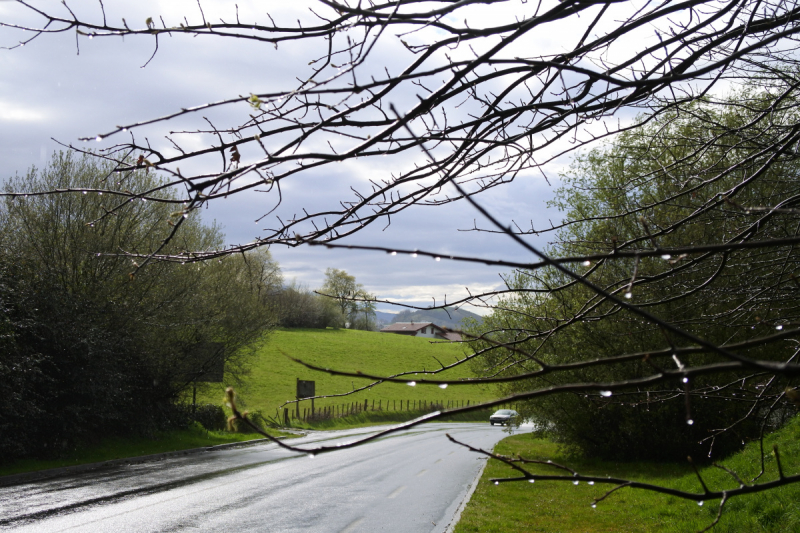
<point>405,483</point>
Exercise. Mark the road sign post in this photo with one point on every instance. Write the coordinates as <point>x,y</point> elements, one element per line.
<point>305,389</point>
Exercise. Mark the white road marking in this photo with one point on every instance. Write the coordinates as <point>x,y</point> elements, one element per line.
<point>397,491</point>
<point>352,525</point>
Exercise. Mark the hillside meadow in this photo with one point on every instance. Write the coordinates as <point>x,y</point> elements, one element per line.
<point>272,378</point>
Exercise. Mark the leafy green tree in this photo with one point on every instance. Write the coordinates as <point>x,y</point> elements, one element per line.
<point>300,307</point>
<point>356,305</point>
<point>342,287</point>
<point>362,313</point>
<point>653,189</point>
<point>91,343</point>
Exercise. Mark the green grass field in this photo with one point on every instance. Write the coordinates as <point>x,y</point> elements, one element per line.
<point>557,507</point>
<point>272,380</point>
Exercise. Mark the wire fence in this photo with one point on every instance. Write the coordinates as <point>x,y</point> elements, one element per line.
<point>328,412</point>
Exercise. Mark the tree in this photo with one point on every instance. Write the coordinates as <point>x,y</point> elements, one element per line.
<point>342,287</point>
<point>651,178</point>
<point>487,110</point>
<point>357,306</point>
<point>300,307</point>
<point>363,311</point>
<point>88,344</point>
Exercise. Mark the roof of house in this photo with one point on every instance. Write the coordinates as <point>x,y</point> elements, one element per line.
<point>413,327</point>
<point>453,336</point>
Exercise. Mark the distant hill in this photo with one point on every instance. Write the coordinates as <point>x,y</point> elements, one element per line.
<point>440,317</point>
<point>384,318</point>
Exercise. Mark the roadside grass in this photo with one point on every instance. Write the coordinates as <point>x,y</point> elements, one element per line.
<point>110,448</point>
<point>372,418</point>
<point>558,507</point>
<point>272,378</point>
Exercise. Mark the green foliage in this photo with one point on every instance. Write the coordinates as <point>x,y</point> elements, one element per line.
<point>653,187</point>
<point>211,416</point>
<point>91,344</point>
<point>356,305</point>
<point>300,307</point>
<point>340,286</point>
<point>557,507</point>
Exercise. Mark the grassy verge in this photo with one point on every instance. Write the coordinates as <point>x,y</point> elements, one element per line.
<point>120,448</point>
<point>372,418</point>
<point>272,378</point>
<point>555,507</point>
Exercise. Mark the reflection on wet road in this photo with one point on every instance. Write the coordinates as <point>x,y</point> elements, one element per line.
<point>408,482</point>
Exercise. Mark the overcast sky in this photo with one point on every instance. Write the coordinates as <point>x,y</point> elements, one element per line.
<point>49,91</point>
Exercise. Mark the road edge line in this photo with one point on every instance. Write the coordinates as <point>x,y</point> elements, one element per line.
<point>457,515</point>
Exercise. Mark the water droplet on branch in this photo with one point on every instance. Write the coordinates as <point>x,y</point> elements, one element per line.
<point>443,386</point>
<point>412,383</point>
<point>605,393</point>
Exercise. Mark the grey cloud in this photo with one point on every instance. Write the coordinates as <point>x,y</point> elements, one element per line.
<point>105,86</point>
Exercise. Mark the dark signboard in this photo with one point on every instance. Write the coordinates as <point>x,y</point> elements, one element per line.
<point>305,389</point>
<point>206,362</point>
